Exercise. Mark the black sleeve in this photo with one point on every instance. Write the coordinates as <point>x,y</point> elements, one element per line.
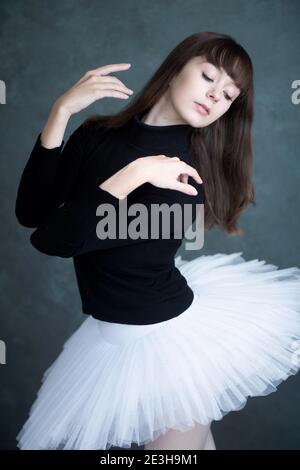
<point>49,177</point>
<point>65,225</point>
<point>71,230</point>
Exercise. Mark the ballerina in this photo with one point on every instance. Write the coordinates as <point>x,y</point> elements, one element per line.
<point>169,345</point>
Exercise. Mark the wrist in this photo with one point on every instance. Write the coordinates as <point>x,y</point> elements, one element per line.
<point>124,181</point>
<point>60,110</point>
<point>138,170</point>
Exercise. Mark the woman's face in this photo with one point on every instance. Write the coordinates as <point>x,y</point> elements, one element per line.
<point>200,81</point>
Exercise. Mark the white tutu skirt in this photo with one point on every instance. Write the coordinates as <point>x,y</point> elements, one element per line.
<point>116,384</point>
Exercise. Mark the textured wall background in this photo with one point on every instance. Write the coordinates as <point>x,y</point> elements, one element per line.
<point>45,48</point>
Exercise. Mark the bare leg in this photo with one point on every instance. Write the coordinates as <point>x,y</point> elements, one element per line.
<point>210,443</point>
<point>195,438</point>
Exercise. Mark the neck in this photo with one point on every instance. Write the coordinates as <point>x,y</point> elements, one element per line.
<point>171,137</point>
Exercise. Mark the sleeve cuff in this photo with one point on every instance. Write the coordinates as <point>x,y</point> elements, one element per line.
<point>41,149</point>
<point>102,195</point>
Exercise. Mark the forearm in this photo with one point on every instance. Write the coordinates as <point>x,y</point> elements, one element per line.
<point>126,180</point>
<point>71,230</point>
<point>50,173</point>
<point>54,130</point>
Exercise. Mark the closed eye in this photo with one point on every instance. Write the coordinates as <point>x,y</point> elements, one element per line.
<point>211,80</point>
<point>206,77</point>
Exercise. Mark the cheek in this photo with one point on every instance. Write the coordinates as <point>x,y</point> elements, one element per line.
<point>182,92</point>
<point>189,84</point>
<point>222,108</point>
<point>219,111</point>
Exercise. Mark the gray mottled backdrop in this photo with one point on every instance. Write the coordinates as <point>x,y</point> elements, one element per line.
<point>45,47</point>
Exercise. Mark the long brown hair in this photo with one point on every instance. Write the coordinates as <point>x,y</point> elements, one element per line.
<point>221,151</point>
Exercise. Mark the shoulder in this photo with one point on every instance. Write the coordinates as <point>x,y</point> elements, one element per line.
<point>88,129</point>
<point>95,131</point>
<point>88,134</point>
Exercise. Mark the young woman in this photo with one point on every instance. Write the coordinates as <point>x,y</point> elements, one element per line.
<point>169,345</point>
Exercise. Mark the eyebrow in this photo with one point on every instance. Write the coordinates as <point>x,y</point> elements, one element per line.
<point>218,69</point>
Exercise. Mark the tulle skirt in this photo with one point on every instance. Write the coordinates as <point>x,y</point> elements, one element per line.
<point>118,384</point>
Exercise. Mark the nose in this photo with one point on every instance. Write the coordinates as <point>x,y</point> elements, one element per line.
<point>214,95</point>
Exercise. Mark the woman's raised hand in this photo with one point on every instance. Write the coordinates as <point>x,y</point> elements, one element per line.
<point>94,85</point>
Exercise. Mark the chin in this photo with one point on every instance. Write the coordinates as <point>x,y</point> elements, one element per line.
<point>196,123</point>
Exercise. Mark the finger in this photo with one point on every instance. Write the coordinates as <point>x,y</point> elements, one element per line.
<point>103,70</point>
<point>110,86</point>
<point>191,171</point>
<point>194,174</point>
<point>111,80</point>
<point>185,188</point>
<point>106,69</point>
<point>106,93</point>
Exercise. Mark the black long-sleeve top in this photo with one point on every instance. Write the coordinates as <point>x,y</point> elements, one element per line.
<point>120,279</point>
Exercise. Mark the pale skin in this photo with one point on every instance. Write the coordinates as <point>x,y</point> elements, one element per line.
<point>198,81</point>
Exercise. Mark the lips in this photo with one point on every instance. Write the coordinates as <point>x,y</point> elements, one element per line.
<point>204,106</point>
